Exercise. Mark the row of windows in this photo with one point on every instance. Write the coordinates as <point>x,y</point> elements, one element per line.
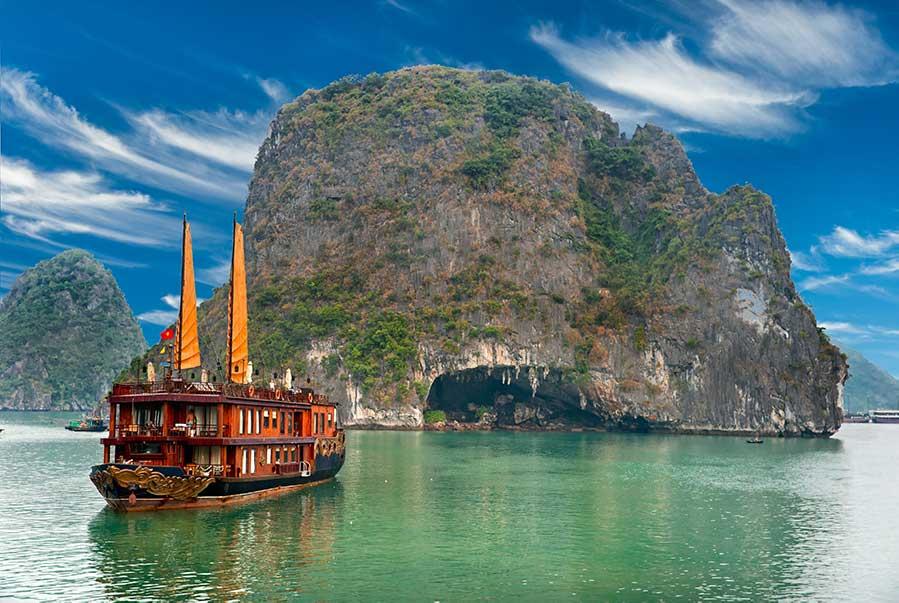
<point>282,454</point>
<point>318,421</point>
<point>264,418</point>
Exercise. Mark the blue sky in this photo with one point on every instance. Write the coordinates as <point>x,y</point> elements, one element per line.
<point>118,116</point>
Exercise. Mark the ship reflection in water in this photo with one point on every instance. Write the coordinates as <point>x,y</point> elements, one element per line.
<point>256,549</point>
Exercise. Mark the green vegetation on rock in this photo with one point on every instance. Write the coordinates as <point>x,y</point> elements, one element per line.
<point>406,225</point>
<point>65,333</point>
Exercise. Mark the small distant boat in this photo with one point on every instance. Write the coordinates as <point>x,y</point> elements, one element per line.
<point>755,440</point>
<point>885,416</point>
<point>87,424</point>
<point>858,418</point>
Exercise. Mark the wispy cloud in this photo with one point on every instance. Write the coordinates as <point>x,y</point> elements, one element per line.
<point>159,317</point>
<point>400,6</point>
<point>39,204</point>
<point>215,275</point>
<point>810,43</point>
<point>276,90</point>
<point>841,328</point>
<point>807,262</point>
<point>890,266</point>
<point>854,331</point>
<point>819,282</point>
<point>845,242</point>
<point>758,68</point>
<point>165,316</point>
<point>204,154</point>
<point>227,138</point>
<point>662,73</point>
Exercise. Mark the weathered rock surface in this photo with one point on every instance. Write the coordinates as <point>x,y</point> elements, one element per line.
<point>481,243</point>
<point>66,331</point>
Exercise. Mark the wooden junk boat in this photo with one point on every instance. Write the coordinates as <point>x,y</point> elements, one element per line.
<point>177,443</point>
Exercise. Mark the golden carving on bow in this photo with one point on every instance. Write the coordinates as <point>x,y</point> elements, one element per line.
<point>329,446</point>
<point>156,483</point>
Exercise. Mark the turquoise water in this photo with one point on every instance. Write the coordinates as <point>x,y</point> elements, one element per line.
<point>462,516</point>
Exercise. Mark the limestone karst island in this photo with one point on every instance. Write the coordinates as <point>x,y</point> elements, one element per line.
<point>449,302</point>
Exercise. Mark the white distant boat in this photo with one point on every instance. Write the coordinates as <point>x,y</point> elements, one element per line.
<point>885,416</point>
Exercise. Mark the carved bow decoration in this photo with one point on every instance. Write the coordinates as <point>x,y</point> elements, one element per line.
<point>174,486</point>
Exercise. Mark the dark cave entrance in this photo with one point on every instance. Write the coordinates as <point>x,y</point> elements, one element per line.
<point>510,397</point>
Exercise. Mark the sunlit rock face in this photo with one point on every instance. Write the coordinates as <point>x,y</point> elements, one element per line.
<point>492,246</point>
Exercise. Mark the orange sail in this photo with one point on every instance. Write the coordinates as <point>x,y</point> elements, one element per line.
<point>187,342</point>
<point>238,352</point>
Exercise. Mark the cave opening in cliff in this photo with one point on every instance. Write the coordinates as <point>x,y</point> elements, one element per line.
<point>525,397</point>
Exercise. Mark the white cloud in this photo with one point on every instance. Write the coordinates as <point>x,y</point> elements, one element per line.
<point>226,138</point>
<point>39,204</point>
<point>662,73</point>
<point>159,317</point>
<point>845,242</point>
<point>215,275</point>
<point>761,64</point>
<point>166,316</point>
<point>203,154</point>
<point>890,266</point>
<point>174,301</point>
<point>842,328</point>
<point>820,282</point>
<point>808,42</point>
<point>274,89</point>
<point>806,262</point>
<point>850,330</point>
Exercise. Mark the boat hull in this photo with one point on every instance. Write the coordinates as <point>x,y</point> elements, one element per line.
<point>94,429</point>
<point>886,419</point>
<point>168,488</point>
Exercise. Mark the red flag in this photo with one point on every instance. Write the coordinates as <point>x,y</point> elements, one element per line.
<point>167,334</point>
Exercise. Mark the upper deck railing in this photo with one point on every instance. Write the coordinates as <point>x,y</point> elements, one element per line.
<point>231,390</point>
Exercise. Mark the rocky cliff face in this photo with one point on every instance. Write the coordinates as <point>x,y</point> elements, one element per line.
<point>491,246</point>
<point>65,332</point>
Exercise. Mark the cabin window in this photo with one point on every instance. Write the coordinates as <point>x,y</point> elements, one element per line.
<point>277,456</point>
<point>258,423</point>
<point>240,423</point>
<point>268,455</point>
<point>282,421</point>
<point>146,448</point>
<point>314,422</point>
<point>265,419</point>
<point>293,455</point>
<point>290,423</point>
<point>252,460</point>
<point>249,420</point>
<point>243,464</point>
<point>274,419</point>
<point>330,421</point>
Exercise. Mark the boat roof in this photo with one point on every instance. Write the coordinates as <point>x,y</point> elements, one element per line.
<point>176,390</point>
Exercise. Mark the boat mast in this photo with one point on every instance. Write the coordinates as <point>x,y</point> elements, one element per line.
<point>237,311</point>
<point>187,341</point>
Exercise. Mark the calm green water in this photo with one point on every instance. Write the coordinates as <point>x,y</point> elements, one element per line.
<point>450,517</point>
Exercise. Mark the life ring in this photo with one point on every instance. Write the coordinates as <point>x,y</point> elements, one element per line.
<point>277,394</point>
<point>251,390</point>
